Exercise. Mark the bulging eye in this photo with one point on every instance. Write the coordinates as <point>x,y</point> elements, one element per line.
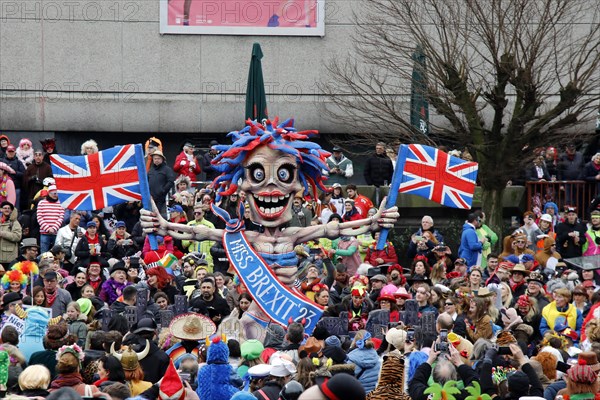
<point>285,173</point>
<point>257,173</point>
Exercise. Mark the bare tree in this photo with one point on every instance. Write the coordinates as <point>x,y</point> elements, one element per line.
<point>502,76</point>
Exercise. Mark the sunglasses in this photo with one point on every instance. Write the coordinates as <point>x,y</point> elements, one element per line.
<point>449,304</point>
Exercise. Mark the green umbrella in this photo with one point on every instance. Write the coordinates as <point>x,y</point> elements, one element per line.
<point>256,99</point>
<point>419,107</point>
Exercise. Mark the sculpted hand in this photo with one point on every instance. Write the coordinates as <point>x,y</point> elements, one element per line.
<point>153,222</point>
<point>385,218</point>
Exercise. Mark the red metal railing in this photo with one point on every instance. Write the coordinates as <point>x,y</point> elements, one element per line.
<point>572,193</point>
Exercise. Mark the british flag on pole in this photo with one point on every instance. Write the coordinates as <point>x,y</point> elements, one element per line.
<point>437,176</point>
<point>109,177</point>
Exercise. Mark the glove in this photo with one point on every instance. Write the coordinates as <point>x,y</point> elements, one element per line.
<point>192,164</point>
<point>182,162</point>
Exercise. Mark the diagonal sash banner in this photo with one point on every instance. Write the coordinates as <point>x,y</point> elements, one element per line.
<point>274,298</point>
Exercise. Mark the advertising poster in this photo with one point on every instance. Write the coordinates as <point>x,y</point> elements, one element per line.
<point>243,17</point>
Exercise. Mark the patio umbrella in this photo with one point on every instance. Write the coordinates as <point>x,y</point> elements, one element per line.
<point>419,107</point>
<point>256,100</point>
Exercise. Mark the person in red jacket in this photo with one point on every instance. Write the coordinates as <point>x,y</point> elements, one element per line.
<point>377,257</point>
<point>351,212</point>
<point>186,163</point>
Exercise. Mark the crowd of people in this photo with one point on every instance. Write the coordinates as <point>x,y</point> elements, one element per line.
<point>521,322</point>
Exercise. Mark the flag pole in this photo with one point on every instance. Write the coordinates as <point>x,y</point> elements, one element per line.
<point>145,190</point>
<point>393,193</point>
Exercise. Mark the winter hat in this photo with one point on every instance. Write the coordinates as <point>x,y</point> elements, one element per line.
<point>510,318</point>
<point>333,341</point>
<point>518,383</point>
<point>590,359</point>
<point>342,386</point>
<point>396,337</point>
<point>171,387</point>
<point>582,373</point>
<point>275,336</point>
<point>251,349</point>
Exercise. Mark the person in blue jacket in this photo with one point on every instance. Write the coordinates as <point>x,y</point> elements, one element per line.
<point>470,244</point>
<point>365,358</point>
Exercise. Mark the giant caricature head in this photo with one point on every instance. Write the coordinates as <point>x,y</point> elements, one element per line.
<point>275,163</point>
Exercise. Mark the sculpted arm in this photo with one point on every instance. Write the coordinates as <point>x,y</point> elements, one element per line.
<point>332,230</point>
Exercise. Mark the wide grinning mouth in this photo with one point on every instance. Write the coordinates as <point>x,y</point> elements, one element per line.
<point>271,204</point>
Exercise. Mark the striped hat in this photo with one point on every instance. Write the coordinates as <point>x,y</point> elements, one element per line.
<point>582,373</point>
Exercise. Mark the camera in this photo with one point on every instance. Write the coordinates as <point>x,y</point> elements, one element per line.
<point>443,346</point>
<point>504,351</point>
<point>410,335</point>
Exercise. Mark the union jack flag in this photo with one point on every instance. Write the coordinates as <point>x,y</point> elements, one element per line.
<point>95,181</point>
<point>427,172</point>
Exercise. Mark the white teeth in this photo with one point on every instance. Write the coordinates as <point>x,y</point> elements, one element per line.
<point>267,199</point>
<point>287,195</point>
<point>261,198</point>
<point>262,210</point>
<point>281,197</point>
<point>279,209</point>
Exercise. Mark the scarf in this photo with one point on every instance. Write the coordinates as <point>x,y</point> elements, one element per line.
<point>3,184</point>
<point>66,380</point>
<point>95,283</point>
<point>50,297</point>
<point>92,241</point>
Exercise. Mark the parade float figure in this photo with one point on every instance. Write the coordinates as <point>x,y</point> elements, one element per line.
<point>274,163</point>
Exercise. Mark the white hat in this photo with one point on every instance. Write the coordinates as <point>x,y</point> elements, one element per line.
<point>546,217</point>
<point>281,367</point>
<point>260,371</point>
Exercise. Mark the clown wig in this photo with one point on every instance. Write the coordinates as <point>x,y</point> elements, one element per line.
<point>25,156</point>
<point>14,275</point>
<point>283,137</point>
<point>162,276</point>
<point>28,268</point>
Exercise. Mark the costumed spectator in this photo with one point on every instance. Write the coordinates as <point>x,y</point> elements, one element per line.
<point>49,147</point>
<point>34,381</point>
<point>470,244</point>
<point>14,281</point>
<point>591,246</point>
<point>378,168</point>
<point>202,247</point>
<point>214,378</point>
<point>152,144</point>
<point>17,177</point>
<point>8,190</point>
<point>133,372</point>
<point>535,285</point>
<point>301,216</point>
<point>378,257</point>
<point>591,171</point>
<point>69,368</point>
<point>68,237</point>
<point>531,229</point>
<point>387,301</point>
<point>160,179</point>
<point>340,167</point>
<point>89,245</point>
<point>364,355</point>
<point>551,209</point>
<point>50,215</point>
<point>156,363</point>
<point>517,282</point>
<point>184,193</point>
<point>158,279</point>
<point>582,382</point>
<point>561,311</point>
<point>40,348</point>
<point>10,232</point>
<point>56,298</point>
<point>95,278</point>
<point>346,247</point>
<point>120,244</point>
<point>4,143</point>
<point>358,308</point>
<point>351,213</point>
<point>570,235</point>
<point>479,323</point>
<point>537,171</point>
<point>420,268</point>
<point>186,163</point>
<point>25,152</point>
<point>112,289</point>
<point>209,169</point>
<point>337,199</point>
<point>361,202</point>
<point>547,253</point>
<point>77,321</point>
<point>527,309</point>
<point>89,147</point>
<point>547,229</point>
<point>34,178</point>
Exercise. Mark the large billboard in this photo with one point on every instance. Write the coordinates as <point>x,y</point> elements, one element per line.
<point>243,17</point>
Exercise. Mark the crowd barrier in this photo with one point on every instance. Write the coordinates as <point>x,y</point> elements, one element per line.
<point>572,193</point>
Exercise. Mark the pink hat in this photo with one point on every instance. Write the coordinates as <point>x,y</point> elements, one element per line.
<point>402,293</point>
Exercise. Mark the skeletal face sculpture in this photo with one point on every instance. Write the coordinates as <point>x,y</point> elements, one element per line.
<point>271,180</point>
